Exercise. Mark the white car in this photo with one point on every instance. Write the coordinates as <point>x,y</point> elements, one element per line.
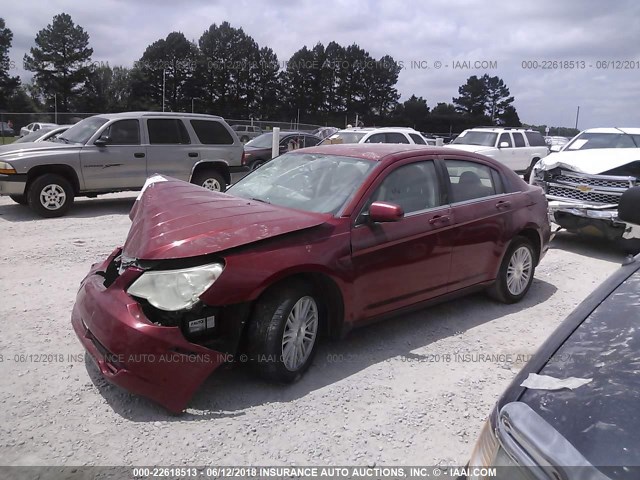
<point>34,127</point>
<point>585,180</point>
<point>377,135</point>
<point>518,148</point>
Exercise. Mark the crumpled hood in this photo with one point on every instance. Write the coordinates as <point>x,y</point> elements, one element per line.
<point>176,219</point>
<point>593,161</point>
<point>471,148</point>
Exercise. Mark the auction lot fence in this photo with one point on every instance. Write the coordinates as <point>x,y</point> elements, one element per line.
<point>20,120</point>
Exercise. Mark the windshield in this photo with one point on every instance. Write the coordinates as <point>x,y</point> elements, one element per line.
<point>486,139</point>
<point>344,137</point>
<point>82,131</point>
<point>587,141</point>
<point>312,182</point>
<point>261,141</point>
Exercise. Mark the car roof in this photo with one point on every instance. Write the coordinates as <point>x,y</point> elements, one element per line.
<point>628,130</point>
<point>374,151</point>
<point>502,129</point>
<point>378,129</point>
<point>159,114</point>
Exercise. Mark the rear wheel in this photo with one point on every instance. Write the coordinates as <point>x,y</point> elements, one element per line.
<point>50,195</point>
<point>516,272</point>
<point>256,163</point>
<point>21,199</point>
<point>283,332</point>
<point>211,180</point>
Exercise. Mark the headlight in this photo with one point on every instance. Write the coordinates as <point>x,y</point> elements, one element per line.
<point>173,290</point>
<point>486,448</point>
<point>6,169</point>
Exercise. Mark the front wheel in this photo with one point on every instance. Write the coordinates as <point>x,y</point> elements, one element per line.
<point>283,333</point>
<point>50,195</point>
<point>211,180</point>
<point>516,272</point>
<point>527,172</point>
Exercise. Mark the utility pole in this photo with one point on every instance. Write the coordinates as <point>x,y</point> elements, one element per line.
<point>163,85</point>
<point>55,108</point>
<point>577,115</point>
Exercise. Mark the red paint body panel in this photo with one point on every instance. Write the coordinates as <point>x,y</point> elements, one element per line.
<point>133,353</point>
<point>174,219</point>
<point>378,268</point>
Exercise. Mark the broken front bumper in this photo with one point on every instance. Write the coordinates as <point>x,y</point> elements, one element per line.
<point>601,220</point>
<point>130,351</point>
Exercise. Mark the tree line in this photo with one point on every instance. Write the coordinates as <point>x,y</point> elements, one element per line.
<point>225,72</point>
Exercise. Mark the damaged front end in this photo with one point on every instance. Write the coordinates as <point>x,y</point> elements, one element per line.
<point>125,323</point>
<point>586,203</point>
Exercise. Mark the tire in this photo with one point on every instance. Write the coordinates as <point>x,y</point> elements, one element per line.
<point>274,333</point>
<point>511,286</point>
<point>50,195</point>
<point>630,246</point>
<point>527,172</point>
<point>211,180</point>
<point>244,139</point>
<point>257,163</point>
<point>21,199</point>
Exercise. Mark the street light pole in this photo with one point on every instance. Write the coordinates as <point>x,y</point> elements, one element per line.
<point>192,104</point>
<point>163,85</point>
<point>577,115</point>
<point>55,108</point>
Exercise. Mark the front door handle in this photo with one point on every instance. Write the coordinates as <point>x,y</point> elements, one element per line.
<point>503,204</point>
<point>439,219</point>
<point>139,155</point>
<point>193,154</point>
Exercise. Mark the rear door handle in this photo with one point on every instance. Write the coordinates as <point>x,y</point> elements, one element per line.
<point>439,219</point>
<point>138,155</point>
<point>503,204</point>
<point>193,154</point>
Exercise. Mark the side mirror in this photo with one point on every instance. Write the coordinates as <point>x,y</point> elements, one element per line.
<point>101,142</point>
<point>628,207</point>
<point>555,148</point>
<point>503,145</point>
<point>382,212</point>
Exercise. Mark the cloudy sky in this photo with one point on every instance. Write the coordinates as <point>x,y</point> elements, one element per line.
<point>506,37</point>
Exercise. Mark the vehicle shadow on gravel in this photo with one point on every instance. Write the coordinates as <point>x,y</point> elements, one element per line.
<point>82,208</point>
<point>231,390</point>
<point>587,246</point>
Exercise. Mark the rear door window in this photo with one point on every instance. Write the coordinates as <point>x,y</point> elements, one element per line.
<point>518,139</point>
<point>470,180</point>
<point>167,131</point>
<point>210,132</point>
<point>417,139</point>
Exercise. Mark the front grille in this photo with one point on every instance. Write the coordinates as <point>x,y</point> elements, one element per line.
<point>593,181</point>
<point>590,197</point>
<point>593,189</point>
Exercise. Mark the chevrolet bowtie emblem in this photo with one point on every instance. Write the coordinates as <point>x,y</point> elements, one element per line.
<point>584,188</point>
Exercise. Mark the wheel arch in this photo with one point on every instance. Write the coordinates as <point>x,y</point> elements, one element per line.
<point>221,166</point>
<point>325,287</point>
<point>65,171</point>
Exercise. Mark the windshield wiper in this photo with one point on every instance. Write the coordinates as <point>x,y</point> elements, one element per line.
<point>261,200</point>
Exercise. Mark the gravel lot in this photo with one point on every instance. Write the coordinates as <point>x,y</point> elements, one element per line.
<point>385,395</point>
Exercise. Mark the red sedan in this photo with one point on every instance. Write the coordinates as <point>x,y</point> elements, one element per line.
<point>311,244</point>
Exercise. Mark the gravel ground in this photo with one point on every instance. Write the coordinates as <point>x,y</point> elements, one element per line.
<point>387,394</point>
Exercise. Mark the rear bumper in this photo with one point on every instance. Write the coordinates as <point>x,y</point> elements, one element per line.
<point>13,184</point>
<point>131,352</point>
